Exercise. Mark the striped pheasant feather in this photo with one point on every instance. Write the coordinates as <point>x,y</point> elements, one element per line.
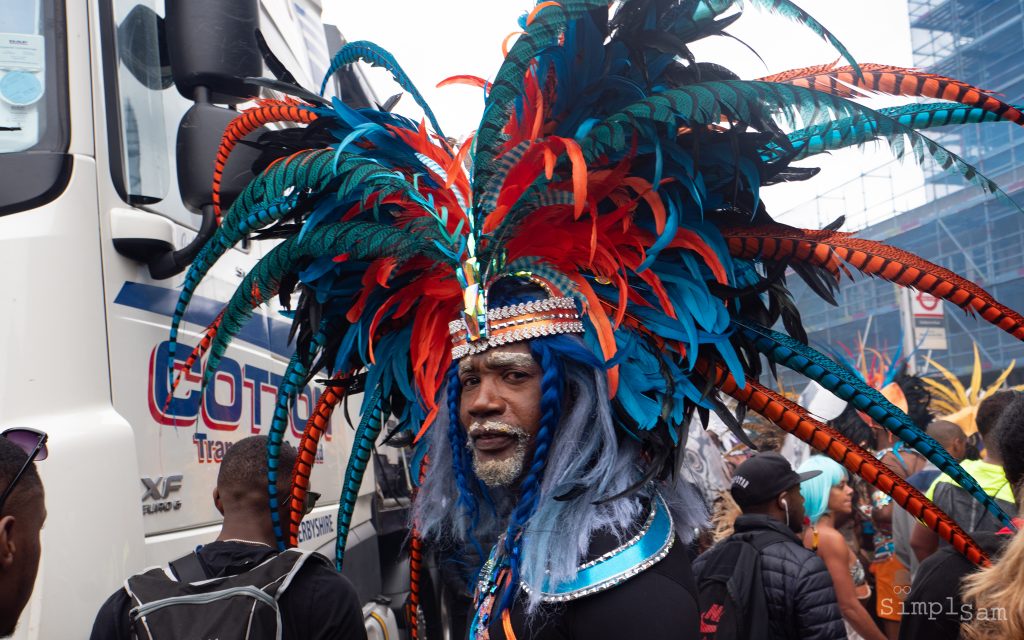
<point>792,418</point>
<point>780,242</point>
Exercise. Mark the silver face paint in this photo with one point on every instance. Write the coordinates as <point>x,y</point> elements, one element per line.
<point>497,359</point>
<point>502,472</point>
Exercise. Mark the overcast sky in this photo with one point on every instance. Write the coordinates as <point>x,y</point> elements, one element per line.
<point>435,40</point>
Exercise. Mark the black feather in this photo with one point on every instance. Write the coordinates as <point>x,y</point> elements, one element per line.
<point>286,88</point>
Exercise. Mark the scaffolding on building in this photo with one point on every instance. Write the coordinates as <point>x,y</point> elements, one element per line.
<point>942,219</point>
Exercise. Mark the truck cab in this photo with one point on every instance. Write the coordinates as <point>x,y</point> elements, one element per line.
<point>96,223</point>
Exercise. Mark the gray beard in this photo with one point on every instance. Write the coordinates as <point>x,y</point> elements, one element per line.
<point>504,472</point>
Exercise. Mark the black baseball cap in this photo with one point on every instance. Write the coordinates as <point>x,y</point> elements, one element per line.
<point>763,476</point>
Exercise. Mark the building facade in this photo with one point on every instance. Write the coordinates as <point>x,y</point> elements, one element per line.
<point>974,234</point>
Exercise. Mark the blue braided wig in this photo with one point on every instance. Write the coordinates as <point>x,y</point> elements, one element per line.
<point>544,352</point>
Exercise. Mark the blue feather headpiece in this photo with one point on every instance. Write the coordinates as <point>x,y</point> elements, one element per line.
<point>622,172</point>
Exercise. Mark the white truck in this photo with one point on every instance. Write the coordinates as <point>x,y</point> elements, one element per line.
<point>103,188</point>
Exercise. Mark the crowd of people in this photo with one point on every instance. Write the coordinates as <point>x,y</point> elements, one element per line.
<point>821,555</point>
<point>547,311</point>
<point>879,574</point>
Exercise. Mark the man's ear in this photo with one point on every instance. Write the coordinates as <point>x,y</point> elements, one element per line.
<point>784,496</point>
<point>217,501</point>
<point>7,545</point>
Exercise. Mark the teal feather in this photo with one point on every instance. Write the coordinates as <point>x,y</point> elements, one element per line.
<point>295,377</point>
<point>361,240</point>
<point>849,132</point>
<point>376,56</point>
<point>750,102</point>
<point>706,10</point>
<point>261,203</point>
<point>363,442</point>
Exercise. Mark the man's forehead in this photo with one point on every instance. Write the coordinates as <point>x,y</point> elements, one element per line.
<point>512,356</point>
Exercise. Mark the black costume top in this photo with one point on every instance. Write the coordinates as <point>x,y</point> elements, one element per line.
<point>320,603</point>
<point>660,601</point>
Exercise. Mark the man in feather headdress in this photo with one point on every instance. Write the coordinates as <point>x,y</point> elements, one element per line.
<point>547,306</point>
<point>532,463</point>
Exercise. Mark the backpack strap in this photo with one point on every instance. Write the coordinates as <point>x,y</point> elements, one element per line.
<point>188,568</point>
<point>765,537</point>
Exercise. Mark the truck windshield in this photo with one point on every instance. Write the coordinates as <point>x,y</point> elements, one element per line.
<point>34,129</point>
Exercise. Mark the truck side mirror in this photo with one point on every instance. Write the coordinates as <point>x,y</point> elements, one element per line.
<point>199,136</point>
<point>213,45</point>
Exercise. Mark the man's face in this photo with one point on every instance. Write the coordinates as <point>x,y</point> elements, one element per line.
<point>795,508</point>
<point>19,557</point>
<point>500,410</point>
<point>958,448</point>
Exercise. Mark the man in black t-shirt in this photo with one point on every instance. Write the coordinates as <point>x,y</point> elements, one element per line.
<point>318,604</point>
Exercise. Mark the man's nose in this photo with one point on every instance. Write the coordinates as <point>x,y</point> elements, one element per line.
<point>486,401</point>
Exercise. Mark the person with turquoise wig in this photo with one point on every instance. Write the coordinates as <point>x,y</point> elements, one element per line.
<point>827,495</point>
<point>818,490</point>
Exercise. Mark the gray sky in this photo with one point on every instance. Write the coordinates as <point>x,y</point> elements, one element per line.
<point>435,40</point>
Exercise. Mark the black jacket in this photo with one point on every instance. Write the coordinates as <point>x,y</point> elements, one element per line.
<point>798,589</point>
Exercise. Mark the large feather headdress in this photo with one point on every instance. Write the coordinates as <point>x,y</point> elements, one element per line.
<point>888,373</point>
<point>620,175</point>
<point>956,403</point>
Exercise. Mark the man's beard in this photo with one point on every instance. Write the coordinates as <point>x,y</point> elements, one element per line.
<point>505,471</point>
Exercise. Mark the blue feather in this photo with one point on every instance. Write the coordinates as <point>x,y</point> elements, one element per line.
<point>363,442</point>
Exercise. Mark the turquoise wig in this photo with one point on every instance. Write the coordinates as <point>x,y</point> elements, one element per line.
<point>816,490</point>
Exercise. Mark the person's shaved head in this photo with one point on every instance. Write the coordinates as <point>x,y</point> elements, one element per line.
<point>243,471</point>
<point>950,436</point>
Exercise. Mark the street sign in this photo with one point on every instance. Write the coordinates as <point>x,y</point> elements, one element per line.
<point>929,321</point>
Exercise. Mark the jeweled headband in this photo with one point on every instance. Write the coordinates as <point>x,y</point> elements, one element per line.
<point>517,322</point>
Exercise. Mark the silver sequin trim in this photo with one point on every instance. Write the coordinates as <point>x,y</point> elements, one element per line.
<point>618,578</point>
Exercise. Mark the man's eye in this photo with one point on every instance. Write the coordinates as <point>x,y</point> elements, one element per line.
<point>469,381</point>
<point>517,376</point>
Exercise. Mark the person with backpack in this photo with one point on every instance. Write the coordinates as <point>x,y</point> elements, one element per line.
<point>238,586</point>
<point>761,582</point>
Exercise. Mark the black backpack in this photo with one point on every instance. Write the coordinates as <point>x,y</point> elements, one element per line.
<point>178,602</point>
<point>732,600</point>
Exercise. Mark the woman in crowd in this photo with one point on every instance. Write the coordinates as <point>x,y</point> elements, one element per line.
<point>827,496</point>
